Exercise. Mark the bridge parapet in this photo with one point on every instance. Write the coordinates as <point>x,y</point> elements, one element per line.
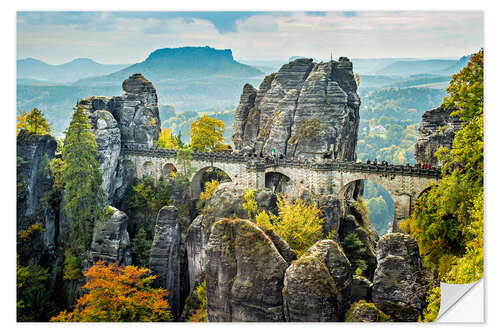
<point>259,165</point>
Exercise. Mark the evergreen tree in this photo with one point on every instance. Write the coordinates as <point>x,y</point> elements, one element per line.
<point>81,174</point>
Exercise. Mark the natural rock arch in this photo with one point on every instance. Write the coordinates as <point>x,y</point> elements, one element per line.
<point>197,179</point>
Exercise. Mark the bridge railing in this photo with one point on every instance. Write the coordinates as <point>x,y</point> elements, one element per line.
<point>262,164</point>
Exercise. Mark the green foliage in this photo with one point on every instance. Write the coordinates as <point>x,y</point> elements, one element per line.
<point>299,223</point>
<point>433,299</point>
<point>360,308</point>
<point>448,219</point>
<point>380,214</point>
<point>210,188</point>
<point>72,270</point>
<point>355,250</point>
<point>200,315</point>
<point>307,131</point>
<point>34,300</point>
<point>250,204</point>
<point>399,112</point>
<point>167,140</point>
<point>34,122</point>
<point>184,158</point>
<point>141,248</point>
<point>107,213</point>
<point>81,174</point>
<point>60,145</point>
<point>148,197</point>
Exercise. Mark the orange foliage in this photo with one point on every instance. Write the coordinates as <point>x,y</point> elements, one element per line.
<point>118,294</point>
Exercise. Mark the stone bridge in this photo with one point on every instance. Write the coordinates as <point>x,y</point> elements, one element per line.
<point>404,183</point>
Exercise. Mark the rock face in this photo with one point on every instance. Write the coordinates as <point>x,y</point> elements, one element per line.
<point>131,119</point>
<point>165,255</point>
<point>244,274</point>
<point>361,289</point>
<point>366,313</point>
<point>34,182</point>
<point>137,112</point>
<point>437,129</point>
<point>303,109</point>
<point>317,286</point>
<point>110,240</point>
<point>355,220</point>
<point>108,138</point>
<point>399,285</point>
<point>225,202</point>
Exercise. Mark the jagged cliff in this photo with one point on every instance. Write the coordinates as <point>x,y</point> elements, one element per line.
<point>437,129</point>
<point>303,110</point>
<point>130,119</point>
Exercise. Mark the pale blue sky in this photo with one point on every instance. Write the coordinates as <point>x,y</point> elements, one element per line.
<point>128,37</point>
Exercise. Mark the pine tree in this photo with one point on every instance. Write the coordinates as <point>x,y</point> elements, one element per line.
<point>81,174</point>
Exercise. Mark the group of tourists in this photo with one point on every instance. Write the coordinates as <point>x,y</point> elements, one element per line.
<point>375,162</point>
<point>425,166</point>
<point>269,158</point>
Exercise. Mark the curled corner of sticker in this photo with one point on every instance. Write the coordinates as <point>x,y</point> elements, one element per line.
<point>452,298</point>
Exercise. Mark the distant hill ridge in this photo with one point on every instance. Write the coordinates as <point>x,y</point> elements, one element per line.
<point>76,69</point>
<point>430,66</point>
<point>181,63</point>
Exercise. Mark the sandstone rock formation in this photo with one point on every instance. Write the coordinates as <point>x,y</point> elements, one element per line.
<point>366,313</point>
<point>165,256</point>
<point>355,220</point>
<point>137,112</point>
<point>131,119</point>
<point>244,274</point>
<point>361,289</point>
<point>399,285</point>
<point>34,182</point>
<point>108,138</point>
<point>303,109</point>
<point>437,129</point>
<point>110,239</point>
<point>317,286</point>
<point>225,202</point>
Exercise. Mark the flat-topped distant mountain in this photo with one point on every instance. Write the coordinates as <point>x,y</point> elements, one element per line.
<point>185,63</point>
<point>34,69</point>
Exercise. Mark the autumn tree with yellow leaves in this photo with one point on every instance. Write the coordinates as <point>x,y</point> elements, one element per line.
<point>207,135</point>
<point>33,121</point>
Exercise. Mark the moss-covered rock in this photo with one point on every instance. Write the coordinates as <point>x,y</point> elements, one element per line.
<point>244,274</point>
<point>399,285</point>
<point>365,312</point>
<point>317,286</point>
<point>361,289</point>
<point>227,201</point>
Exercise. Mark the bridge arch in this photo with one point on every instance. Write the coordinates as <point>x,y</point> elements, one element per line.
<point>167,170</point>
<point>402,201</point>
<point>147,168</point>
<point>279,182</point>
<point>381,214</point>
<point>200,177</point>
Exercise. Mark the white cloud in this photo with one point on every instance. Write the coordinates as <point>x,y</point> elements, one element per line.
<point>111,38</point>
